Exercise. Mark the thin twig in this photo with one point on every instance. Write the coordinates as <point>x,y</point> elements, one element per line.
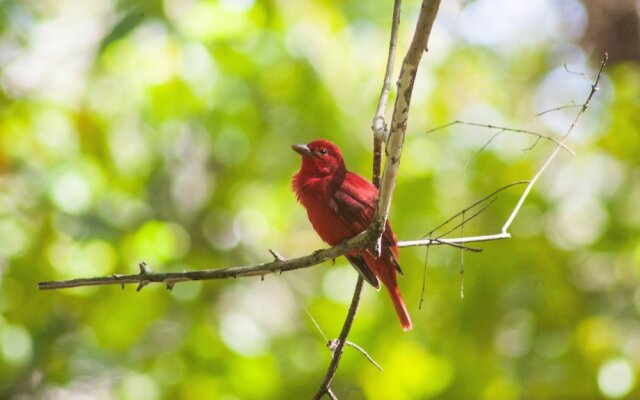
<point>325,387</point>
<point>585,105</point>
<point>317,325</point>
<point>331,395</point>
<point>462,251</point>
<point>379,125</point>
<point>582,74</point>
<point>502,129</point>
<point>449,241</point>
<point>332,344</point>
<point>495,135</point>
<point>424,278</point>
<point>558,109</point>
<point>477,203</point>
<point>364,353</point>
<point>457,246</point>
<point>465,220</point>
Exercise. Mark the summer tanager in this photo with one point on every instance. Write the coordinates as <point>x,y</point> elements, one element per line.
<point>341,204</point>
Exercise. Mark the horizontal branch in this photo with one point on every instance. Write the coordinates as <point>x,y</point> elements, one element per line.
<point>451,241</point>
<point>278,266</point>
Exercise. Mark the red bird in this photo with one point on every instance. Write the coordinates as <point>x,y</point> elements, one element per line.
<point>341,204</point>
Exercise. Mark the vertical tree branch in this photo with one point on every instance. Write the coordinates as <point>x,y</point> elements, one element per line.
<point>379,125</point>
<point>325,387</point>
<point>428,12</point>
<point>379,133</point>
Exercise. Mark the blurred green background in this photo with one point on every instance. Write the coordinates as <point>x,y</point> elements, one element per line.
<point>160,131</point>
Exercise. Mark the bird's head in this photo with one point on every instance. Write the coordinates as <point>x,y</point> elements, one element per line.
<point>319,158</point>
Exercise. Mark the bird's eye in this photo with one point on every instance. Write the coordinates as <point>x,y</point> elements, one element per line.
<point>323,151</point>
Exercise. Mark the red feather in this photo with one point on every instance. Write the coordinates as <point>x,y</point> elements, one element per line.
<point>341,204</point>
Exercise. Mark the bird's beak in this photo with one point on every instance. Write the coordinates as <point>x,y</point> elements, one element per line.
<point>302,149</point>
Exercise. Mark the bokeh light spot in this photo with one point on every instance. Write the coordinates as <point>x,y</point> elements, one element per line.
<point>242,335</point>
<point>616,378</point>
<point>15,344</point>
<point>13,237</point>
<point>138,387</point>
<point>338,283</point>
<point>71,193</point>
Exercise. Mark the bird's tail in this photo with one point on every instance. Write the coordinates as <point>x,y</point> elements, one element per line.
<point>401,309</point>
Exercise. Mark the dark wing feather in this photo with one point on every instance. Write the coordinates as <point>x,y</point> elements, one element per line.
<point>361,266</point>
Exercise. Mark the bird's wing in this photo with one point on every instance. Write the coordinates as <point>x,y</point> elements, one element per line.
<point>355,203</point>
<point>361,266</point>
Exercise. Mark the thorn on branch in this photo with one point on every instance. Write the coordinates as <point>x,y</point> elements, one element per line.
<point>144,271</point>
<point>276,256</point>
<point>141,285</point>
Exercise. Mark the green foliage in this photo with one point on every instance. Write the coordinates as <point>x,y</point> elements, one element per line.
<point>161,132</point>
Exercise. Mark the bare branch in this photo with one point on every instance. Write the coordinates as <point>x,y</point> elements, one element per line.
<point>477,203</point>
<point>424,278</point>
<point>279,266</point>
<point>465,220</point>
<point>585,105</point>
<point>582,74</point>
<point>333,343</point>
<point>501,130</point>
<point>558,109</point>
<point>447,241</point>
<point>400,117</point>
<point>462,252</point>
<point>325,387</point>
<point>504,234</point>
<point>495,135</point>
<point>364,353</point>
<point>379,125</point>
